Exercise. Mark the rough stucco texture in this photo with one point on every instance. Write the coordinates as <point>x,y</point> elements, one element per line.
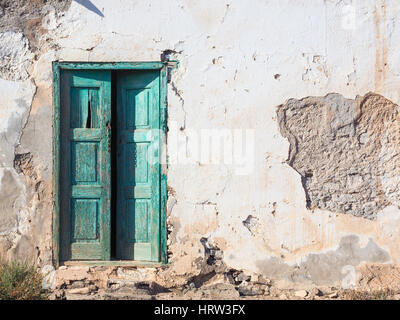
<point>238,60</point>
<point>21,32</point>
<point>15,56</point>
<point>15,15</point>
<point>327,267</point>
<point>345,151</point>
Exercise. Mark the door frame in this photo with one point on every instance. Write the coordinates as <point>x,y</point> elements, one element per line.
<point>57,67</point>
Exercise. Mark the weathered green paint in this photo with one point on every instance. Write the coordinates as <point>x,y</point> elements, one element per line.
<point>56,164</point>
<point>164,162</point>
<point>57,68</point>
<point>85,165</point>
<point>138,158</point>
<point>113,263</point>
<point>112,65</point>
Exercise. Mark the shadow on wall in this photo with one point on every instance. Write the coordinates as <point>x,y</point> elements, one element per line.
<point>329,267</point>
<point>90,6</point>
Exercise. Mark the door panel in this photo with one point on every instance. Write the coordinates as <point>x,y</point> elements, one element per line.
<point>138,151</point>
<point>85,165</point>
<point>85,171</point>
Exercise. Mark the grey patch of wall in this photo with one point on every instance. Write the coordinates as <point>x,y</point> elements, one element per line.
<point>11,201</point>
<point>345,151</point>
<point>325,268</point>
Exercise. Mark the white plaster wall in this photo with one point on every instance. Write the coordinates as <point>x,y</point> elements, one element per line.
<point>229,53</point>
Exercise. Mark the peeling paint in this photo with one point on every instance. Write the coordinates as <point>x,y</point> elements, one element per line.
<point>238,61</point>
<point>345,151</point>
<point>325,268</point>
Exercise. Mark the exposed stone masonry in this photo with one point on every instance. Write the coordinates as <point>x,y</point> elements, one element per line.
<point>345,150</point>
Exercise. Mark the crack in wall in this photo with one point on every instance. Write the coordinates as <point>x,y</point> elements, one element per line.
<point>178,94</point>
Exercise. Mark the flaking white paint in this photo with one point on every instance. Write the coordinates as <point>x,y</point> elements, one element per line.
<point>230,53</point>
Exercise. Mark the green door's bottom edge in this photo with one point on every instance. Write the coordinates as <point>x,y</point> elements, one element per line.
<point>112,263</point>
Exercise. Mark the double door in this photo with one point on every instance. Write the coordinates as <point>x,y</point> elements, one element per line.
<point>109,165</point>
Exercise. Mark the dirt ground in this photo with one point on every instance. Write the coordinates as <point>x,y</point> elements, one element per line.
<point>216,291</point>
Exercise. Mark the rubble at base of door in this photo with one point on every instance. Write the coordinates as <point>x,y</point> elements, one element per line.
<point>119,283</point>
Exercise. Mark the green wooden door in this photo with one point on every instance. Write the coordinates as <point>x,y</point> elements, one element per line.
<point>138,152</point>
<point>85,184</point>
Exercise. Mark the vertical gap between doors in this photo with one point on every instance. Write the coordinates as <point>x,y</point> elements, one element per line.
<point>113,164</point>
